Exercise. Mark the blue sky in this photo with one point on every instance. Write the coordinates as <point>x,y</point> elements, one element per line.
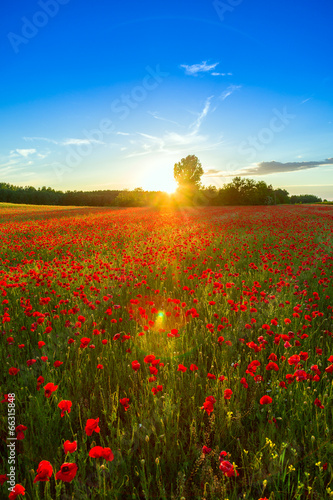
<point>104,95</point>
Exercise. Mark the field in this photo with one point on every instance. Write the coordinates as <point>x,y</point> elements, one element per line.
<point>166,354</point>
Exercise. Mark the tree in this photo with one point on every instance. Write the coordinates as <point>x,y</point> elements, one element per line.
<point>188,172</point>
<point>281,196</point>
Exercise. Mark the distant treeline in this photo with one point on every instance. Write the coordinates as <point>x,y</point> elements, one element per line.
<point>238,192</point>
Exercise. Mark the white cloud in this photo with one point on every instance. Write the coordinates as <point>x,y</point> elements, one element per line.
<point>13,154</point>
<point>40,139</point>
<point>229,91</point>
<point>156,115</point>
<point>196,125</point>
<point>270,167</point>
<point>26,152</point>
<point>194,69</point>
<point>78,142</point>
<point>66,142</point>
<point>171,142</point>
<point>122,133</point>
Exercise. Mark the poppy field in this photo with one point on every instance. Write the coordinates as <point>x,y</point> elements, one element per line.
<point>166,354</point>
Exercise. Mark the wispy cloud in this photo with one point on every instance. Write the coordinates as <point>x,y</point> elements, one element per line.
<point>197,123</point>
<point>306,100</point>
<point>195,69</point>
<point>26,152</point>
<point>221,74</point>
<point>66,142</point>
<point>230,90</point>
<point>78,142</point>
<point>270,167</point>
<point>46,139</point>
<point>156,115</point>
<point>172,142</point>
<point>122,133</point>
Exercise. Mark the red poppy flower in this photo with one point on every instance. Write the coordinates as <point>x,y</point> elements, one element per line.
<point>84,342</point>
<point>193,367</point>
<point>70,447</point>
<point>124,402</point>
<point>100,452</point>
<point>135,365</point>
<point>208,405</point>
<point>13,371</point>
<point>206,450</point>
<point>227,394</point>
<point>149,358</point>
<point>294,359</point>
<point>19,429</point>
<point>67,472</point>
<point>16,491</point>
<point>44,471</point>
<point>317,402</point>
<point>301,375</point>
<point>244,383</point>
<point>92,426</point>
<point>265,400</point>
<point>211,376</point>
<point>107,454</point>
<point>272,366</point>
<point>96,452</point>
<point>181,368</point>
<point>56,364</point>
<point>49,388</point>
<point>228,469</point>
<point>3,478</point>
<point>40,381</point>
<point>64,406</point>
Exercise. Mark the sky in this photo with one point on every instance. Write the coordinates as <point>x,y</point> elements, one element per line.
<point>110,95</point>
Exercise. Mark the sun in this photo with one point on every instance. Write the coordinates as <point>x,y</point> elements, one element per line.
<point>158,179</point>
<point>171,189</point>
